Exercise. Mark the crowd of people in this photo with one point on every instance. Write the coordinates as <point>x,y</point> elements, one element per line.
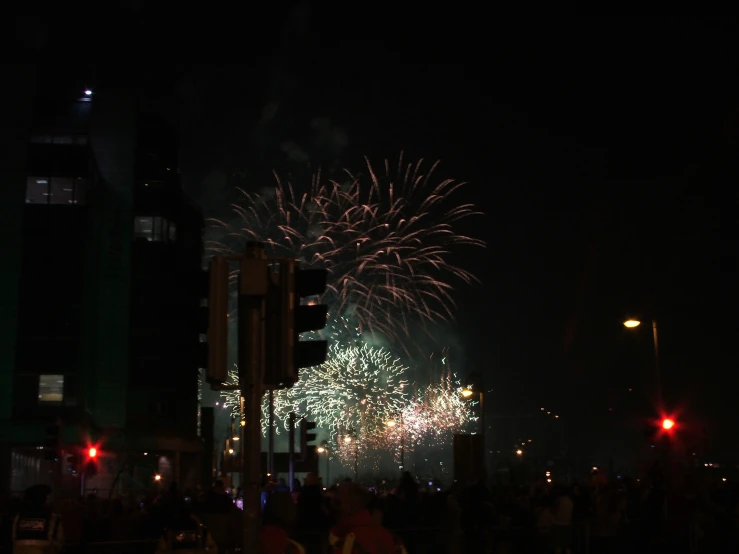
<point>597,516</point>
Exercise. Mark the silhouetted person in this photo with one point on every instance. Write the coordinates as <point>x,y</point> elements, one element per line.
<point>185,534</point>
<point>563,509</point>
<point>311,513</point>
<point>407,492</point>
<point>356,530</point>
<point>218,501</point>
<point>282,486</point>
<point>279,519</point>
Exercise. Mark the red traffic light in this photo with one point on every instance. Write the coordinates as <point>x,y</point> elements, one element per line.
<point>92,453</point>
<point>668,424</point>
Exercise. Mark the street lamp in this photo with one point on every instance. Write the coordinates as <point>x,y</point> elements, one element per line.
<point>476,387</point>
<point>323,449</point>
<point>392,423</point>
<point>469,391</point>
<point>633,324</point>
<point>351,437</point>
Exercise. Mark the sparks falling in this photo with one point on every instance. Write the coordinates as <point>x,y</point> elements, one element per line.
<point>385,234</point>
<point>359,387</point>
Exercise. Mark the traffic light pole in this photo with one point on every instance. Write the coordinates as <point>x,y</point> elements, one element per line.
<point>271,434</point>
<point>328,469</point>
<point>657,370</point>
<point>291,451</point>
<point>252,290</point>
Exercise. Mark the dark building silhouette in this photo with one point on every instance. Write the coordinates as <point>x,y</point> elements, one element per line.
<point>100,287</point>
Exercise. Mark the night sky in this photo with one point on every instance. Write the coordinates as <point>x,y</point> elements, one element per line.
<point>602,150</point>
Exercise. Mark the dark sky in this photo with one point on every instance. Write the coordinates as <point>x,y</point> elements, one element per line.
<point>603,151</point>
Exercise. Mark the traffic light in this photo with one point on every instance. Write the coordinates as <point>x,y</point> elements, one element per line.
<point>73,463</point>
<point>91,464</point>
<point>658,428</point>
<point>51,442</point>
<point>288,317</point>
<point>213,355</point>
<point>306,437</point>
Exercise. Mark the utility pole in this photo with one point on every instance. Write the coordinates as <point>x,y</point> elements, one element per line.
<point>271,434</point>
<point>402,443</point>
<point>253,286</point>
<point>243,440</point>
<point>327,452</point>
<point>356,460</point>
<point>657,369</point>
<point>291,451</point>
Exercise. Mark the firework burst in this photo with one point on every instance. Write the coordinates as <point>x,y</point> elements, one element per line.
<point>358,387</point>
<point>385,235</point>
<point>438,411</point>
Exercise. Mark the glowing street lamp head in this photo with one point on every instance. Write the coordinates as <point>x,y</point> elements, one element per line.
<point>631,323</point>
<point>320,450</point>
<point>88,92</point>
<point>92,452</point>
<point>667,424</point>
<point>466,393</point>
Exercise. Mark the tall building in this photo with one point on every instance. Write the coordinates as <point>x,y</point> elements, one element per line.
<point>101,287</point>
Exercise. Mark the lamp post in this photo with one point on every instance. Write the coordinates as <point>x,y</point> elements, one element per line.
<point>393,423</point>
<point>633,324</point>
<point>352,438</point>
<point>474,388</point>
<point>469,392</point>
<point>323,449</point>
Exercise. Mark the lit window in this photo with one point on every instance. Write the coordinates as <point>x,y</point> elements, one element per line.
<point>37,190</point>
<point>80,140</point>
<point>143,228</point>
<point>155,229</point>
<point>55,190</point>
<point>160,229</point>
<point>50,389</point>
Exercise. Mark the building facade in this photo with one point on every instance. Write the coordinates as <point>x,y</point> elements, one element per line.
<point>101,296</point>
